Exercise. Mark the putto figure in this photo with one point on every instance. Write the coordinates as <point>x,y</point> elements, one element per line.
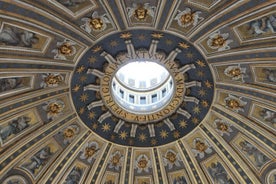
<point>51,80</point>
<point>95,23</point>
<point>234,103</point>
<point>187,18</point>
<point>218,41</point>
<point>223,127</point>
<point>115,160</point>
<point>141,11</point>
<point>235,72</point>
<point>70,133</point>
<point>171,159</point>
<point>143,163</point>
<point>201,147</point>
<point>64,49</point>
<point>15,37</point>
<point>89,151</point>
<point>54,108</point>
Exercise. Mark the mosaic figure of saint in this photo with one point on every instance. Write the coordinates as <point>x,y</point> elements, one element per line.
<point>180,180</point>
<point>14,127</point>
<point>15,37</point>
<point>259,159</point>
<point>39,159</point>
<point>218,173</point>
<point>71,3</point>
<point>74,177</point>
<point>269,116</point>
<point>270,75</point>
<point>264,25</point>
<point>9,84</point>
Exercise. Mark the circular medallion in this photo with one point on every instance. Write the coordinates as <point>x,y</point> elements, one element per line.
<point>142,88</point>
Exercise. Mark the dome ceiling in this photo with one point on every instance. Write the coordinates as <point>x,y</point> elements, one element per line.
<point>60,121</point>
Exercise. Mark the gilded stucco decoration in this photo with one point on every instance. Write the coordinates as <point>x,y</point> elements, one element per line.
<point>60,121</point>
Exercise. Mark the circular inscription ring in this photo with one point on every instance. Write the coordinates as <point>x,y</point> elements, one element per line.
<point>122,113</point>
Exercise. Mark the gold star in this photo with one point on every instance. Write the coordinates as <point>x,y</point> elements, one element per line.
<point>169,42</point>
<point>142,37</point>
<point>196,110</point>
<point>200,63</point>
<point>76,88</point>
<point>92,59</point>
<point>113,43</point>
<point>83,78</point>
<point>94,126</point>
<point>190,55</point>
<point>126,35</point>
<point>106,127</point>
<point>130,142</point>
<point>142,137</point>
<point>96,49</point>
<point>113,137</point>
<point>176,134</point>
<point>183,45</point>
<point>205,103</point>
<point>91,115</point>
<point>83,97</point>
<point>183,124</point>
<point>123,135</point>
<point>208,84</point>
<point>195,120</point>
<point>81,110</point>
<point>202,92</point>
<point>200,73</point>
<point>157,35</point>
<point>164,134</point>
<point>153,142</point>
<point>80,69</point>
